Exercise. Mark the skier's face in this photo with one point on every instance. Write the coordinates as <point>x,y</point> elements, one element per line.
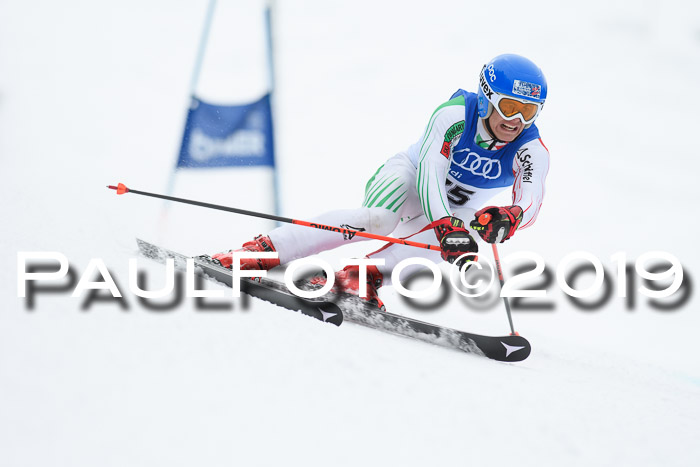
<point>505,130</point>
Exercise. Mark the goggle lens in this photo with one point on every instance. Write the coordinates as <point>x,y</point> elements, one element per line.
<point>510,108</point>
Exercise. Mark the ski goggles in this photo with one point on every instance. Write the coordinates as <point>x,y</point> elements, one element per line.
<point>510,108</point>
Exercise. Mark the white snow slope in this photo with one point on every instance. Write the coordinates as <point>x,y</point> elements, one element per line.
<point>94,93</point>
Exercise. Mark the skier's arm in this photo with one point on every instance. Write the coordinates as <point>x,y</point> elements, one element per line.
<point>444,129</point>
<point>530,167</point>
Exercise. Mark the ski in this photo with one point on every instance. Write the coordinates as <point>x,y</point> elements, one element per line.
<point>513,348</point>
<point>322,310</point>
<point>345,307</point>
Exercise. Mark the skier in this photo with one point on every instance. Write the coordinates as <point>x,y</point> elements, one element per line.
<point>474,146</point>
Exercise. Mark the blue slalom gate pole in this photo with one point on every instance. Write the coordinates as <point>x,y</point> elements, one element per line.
<point>204,39</point>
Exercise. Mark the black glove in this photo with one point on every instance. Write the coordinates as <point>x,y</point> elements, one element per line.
<point>455,240</point>
<point>496,224</point>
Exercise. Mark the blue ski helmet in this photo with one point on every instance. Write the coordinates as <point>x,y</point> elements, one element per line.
<point>517,80</point>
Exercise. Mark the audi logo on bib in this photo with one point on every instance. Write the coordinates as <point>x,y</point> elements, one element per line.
<point>477,165</point>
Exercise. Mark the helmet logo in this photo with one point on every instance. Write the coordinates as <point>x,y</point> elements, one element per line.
<point>523,88</point>
<point>485,87</point>
<point>492,73</point>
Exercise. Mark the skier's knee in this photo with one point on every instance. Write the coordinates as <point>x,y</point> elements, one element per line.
<point>382,221</point>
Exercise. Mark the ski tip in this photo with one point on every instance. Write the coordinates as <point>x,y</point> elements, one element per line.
<point>121,188</point>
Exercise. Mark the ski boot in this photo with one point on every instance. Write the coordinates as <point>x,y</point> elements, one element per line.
<point>348,281</point>
<point>259,243</point>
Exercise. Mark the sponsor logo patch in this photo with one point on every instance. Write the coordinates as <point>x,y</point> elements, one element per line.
<point>445,151</point>
<point>523,88</point>
<point>452,133</point>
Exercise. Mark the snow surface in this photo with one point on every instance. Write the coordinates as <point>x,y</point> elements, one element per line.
<point>94,93</point>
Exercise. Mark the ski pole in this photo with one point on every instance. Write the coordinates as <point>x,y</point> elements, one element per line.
<point>483,220</point>
<point>500,278</point>
<point>349,233</point>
